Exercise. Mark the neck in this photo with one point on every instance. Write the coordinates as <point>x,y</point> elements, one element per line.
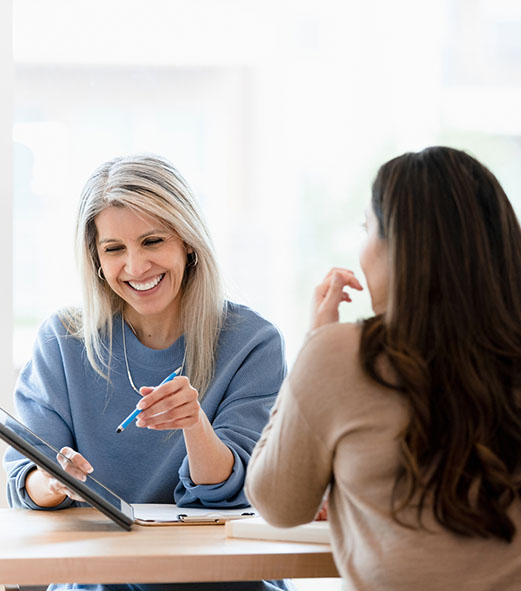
<point>154,332</point>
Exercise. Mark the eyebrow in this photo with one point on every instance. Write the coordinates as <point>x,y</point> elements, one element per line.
<point>148,233</point>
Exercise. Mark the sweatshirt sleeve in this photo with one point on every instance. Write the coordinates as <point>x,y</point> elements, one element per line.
<point>41,404</point>
<point>241,415</point>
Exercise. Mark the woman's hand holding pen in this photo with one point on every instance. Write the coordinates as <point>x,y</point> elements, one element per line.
<point>172,405</point>
<point>175,405</point>
<point>329,294</point>
<point>47,491</point>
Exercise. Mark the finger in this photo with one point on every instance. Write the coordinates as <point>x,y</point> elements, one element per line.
<point>74,463</point>
<point>182,423</point>
<point>74,496</point>
<point>190,408</point>
<point>163,391</point>
<point>171,403</point>
<point>321,515</point>
<point>348,275</point>
<point>335,291</point>
<point>335,282</point>
<point>70,469</point>
<point>56,487</point>
<point>77,459</point>
<point>170,417</point>
<point>145,390</point>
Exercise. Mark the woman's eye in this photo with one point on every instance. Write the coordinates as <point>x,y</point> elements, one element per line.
<point>152,241</point>
<point>113,248</point>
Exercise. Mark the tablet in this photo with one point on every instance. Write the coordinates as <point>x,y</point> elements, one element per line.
<point>95,493</point>
<point>43,455</point>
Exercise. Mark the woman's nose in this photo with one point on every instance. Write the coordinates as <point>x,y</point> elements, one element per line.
<point>136,263</point>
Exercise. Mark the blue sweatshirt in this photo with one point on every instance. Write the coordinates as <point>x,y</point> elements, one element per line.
<point>61,398</point>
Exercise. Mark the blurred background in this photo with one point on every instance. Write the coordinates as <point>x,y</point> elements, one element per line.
<point>278,113</point>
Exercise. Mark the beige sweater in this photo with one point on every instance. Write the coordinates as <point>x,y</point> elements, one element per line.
<point>333,425</point>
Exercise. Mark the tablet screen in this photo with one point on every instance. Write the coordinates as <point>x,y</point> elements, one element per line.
<point>43,454</point>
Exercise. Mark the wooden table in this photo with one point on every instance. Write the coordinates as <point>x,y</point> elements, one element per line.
<point>83,546</point>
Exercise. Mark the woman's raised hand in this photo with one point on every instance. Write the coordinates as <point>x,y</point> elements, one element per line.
<point>173,405</point>
<point>330,293</point>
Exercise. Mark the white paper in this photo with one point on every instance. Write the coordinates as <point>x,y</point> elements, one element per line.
<point>163,512</point>
<point>316,531</point>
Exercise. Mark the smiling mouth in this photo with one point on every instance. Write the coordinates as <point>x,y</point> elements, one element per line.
<point>146,285</point>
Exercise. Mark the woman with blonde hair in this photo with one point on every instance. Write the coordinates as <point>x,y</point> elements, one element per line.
<point>152,304</point>
<point>412,418</point>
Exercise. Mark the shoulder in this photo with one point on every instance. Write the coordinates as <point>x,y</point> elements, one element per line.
<point>337,333</point>
<point>331,387</point>
<point>335,346</point>
<point>58,328</point>
<point>54,347</point>
<point>248,337</point>
<point>245,323</point>
<point>328,363</point>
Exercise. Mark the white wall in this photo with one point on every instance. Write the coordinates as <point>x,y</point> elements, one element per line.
<point>6,301</point>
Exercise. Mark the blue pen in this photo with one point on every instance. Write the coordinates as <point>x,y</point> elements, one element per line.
<point>136,411</point>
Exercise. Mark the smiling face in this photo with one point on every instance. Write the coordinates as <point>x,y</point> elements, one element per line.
<point>142,261</point>
<point>374,263</point>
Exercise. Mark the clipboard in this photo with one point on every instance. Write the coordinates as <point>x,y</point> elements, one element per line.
<point>166,514</point>
<point>99,496</point>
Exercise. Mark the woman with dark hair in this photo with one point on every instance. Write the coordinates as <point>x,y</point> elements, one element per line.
<point>412,418</point>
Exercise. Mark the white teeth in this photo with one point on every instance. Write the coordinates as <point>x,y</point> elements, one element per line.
<point>147,285</point>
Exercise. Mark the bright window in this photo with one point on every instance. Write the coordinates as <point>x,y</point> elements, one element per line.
<point>277,112</point>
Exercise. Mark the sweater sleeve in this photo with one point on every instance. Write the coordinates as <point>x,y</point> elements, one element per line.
<point>290,468</point>
<point>292,465</point>
<point>241,415</point>
<point>41,403</point>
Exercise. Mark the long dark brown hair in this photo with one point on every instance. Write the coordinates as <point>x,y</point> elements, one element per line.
<point>452,334</point>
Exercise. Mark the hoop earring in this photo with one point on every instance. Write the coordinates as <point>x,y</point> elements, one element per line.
<point>99,274</point>
<point>193,259</point>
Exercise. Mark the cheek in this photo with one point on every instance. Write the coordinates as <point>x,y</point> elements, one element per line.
<point>110,270</point>
<point>364,255</point>
<point>178,261</point>
<point>374,265</point>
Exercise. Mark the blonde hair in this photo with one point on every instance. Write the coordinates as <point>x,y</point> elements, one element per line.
<point>150,185</point>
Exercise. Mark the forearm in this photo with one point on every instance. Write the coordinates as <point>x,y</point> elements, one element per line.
<point>210,460</point>
<point>37,487</point>
<point>290,468</point>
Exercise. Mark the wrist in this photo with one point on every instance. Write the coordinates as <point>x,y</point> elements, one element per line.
<point>199,425</point>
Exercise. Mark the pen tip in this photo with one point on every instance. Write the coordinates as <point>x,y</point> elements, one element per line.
<point>119,429</point>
